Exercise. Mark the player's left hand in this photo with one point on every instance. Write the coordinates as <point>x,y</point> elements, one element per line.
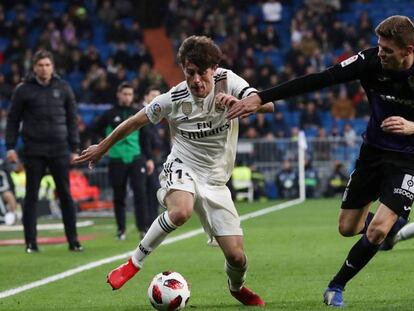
<point>398,125</point>
<point>225,100</point>
<point>245,107</point>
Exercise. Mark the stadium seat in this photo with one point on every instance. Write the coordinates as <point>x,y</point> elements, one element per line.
<point>242,183</point>
<point>311,132</point>
<point>256,11</point>
<point>271,190</point>
<point>4,43</point>
<point>127,22</point>
<point>131,75</point>
<point>58,7</point>
<point>11,15</point>
<point>75,78</point>
<point>104,51</point>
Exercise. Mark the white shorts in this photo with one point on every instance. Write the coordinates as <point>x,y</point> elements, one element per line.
<point>212,203</point>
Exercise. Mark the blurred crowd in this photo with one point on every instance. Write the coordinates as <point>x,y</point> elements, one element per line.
<point>99,43</point>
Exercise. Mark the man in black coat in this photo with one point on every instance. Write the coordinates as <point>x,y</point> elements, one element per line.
<point>46,107</point>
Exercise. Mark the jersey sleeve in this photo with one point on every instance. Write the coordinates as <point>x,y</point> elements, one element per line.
<point>159,108</point>
<point>238,87</point>
<point>353,68</point>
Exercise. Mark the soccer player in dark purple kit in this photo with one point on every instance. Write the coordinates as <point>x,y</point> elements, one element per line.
<point>385,167</point>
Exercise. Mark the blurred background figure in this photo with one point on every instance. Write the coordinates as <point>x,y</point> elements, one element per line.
<point>155,149</point>
<point>287,181</point>
<point>337,181</point>
<point>8,203</point>
<point>45,106</point>
<point>129,161</point>
<point>311,179</point>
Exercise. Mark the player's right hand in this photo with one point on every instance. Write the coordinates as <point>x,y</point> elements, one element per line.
<point>92,154</point>
<point>245,107</point>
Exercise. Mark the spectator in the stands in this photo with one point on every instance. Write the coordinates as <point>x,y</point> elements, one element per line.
<point>337,181</point>
<point>269,39</point>
<point>349,135</point>
<point>322,102</point>
<point>360,102</point>
<point>121,55</point>
<point>342,107</point>
<point>5,89</point>
<point>89,58</point>
<point>311,179</point>
<point>365,28</point>
<point>102,91</point>
<point>287,181</point>
<point>321,149</point>
<point>310,117</point>
<point>272,11</point>
<point>278,126</point>
<point>106,12</point>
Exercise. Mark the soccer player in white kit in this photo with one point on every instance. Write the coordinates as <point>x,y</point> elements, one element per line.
<point>200,163</point>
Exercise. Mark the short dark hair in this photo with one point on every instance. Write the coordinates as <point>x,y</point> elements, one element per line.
<point>41,54</point>
<point>150,89</point>
<point>201,51</point>
<point>124,85</point>
<point>398,28</point>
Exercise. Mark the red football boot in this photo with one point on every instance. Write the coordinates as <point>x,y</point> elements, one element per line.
<point>119,276</point>
<point>248,297</point>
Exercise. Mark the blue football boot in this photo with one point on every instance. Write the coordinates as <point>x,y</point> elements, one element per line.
<point>333,297</point>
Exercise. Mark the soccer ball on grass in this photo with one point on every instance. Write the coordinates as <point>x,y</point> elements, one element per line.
<point>169,291</point>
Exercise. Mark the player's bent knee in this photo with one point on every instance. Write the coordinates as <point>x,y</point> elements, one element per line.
<point>236,258</point>
<point>347,231</point>
<point>179,216</point>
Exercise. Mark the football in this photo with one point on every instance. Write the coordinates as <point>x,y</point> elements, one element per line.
<point>169,291</point>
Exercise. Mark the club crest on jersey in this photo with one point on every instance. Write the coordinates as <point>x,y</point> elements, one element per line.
<point>411,82</point>
<point>187,108</point>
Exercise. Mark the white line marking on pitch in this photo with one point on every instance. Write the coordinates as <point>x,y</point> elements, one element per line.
<point>184,236</point>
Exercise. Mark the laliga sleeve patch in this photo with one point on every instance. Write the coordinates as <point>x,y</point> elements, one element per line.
<point>348,61</point>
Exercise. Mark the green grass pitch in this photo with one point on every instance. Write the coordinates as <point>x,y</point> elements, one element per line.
<point>293,253</point>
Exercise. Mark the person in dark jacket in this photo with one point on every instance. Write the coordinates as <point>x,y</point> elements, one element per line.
<point>46,107</point>
<point>127,161</point>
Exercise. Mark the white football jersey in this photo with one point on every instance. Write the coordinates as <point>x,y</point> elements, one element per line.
<point>201,136</point>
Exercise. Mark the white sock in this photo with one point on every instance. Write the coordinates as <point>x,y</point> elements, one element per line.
<point>158,231</point>
<point>406,232</point>
<point>236,276</point>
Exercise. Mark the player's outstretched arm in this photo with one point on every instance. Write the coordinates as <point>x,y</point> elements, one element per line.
<point>298,86</point>
<point>398,125</point>
<point>95,152</point>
